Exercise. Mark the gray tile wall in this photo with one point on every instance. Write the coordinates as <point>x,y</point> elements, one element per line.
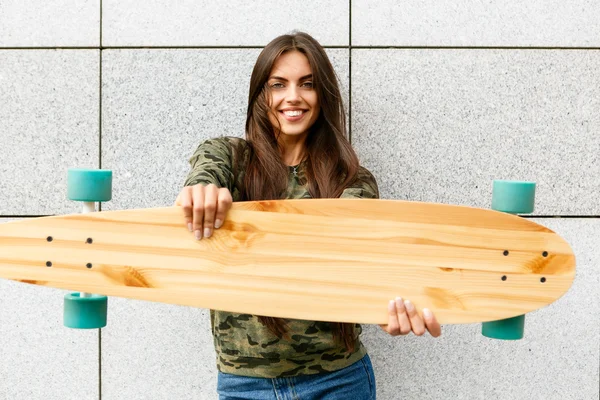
<point>468,23</point>
<point>49,121</point>
<point>210,23</point>
<point>64,23</point>
<point>442,124</point>
<point>445,97</point>
<point>39,357</point>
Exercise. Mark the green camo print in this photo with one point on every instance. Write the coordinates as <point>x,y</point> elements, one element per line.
<point>243,345</point>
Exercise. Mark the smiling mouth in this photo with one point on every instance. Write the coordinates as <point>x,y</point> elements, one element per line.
<point>293,116</point>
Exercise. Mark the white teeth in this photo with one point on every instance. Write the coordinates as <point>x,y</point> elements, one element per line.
<point>292,113</point>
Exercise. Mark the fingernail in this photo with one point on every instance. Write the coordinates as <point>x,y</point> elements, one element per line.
<point>190,226</point>
<point>409,306</point>
<point>391,305</point>
<point>427,313</point>
<point>218,223</point>
<point>399,302</point>
<point>198,235</point>
<point>207,232</point>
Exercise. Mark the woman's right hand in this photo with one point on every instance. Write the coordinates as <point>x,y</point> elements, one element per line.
<point>204,208</point>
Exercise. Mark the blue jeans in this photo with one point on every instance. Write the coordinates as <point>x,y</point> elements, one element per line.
<point>356,382</point>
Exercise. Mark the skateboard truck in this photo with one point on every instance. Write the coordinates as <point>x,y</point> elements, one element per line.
<point>513,197</point>
<point>86,310</point>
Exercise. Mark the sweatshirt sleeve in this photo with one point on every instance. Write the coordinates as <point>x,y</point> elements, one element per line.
<point>365,186</point>
<point>212,163</point>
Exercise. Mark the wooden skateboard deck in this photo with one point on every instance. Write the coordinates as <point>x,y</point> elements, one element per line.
<point>325,260</point>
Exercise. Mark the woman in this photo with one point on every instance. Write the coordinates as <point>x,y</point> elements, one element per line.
<point>295,147</point>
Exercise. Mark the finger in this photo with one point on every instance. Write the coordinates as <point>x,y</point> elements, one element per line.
<point>393,326</point>
<point>198,210</point>
<point>405,327</point>
<point>431,323</point>
<point>418,326</point>
<point>223,205</point>
<point>185,201</point>
<point>211,193</point>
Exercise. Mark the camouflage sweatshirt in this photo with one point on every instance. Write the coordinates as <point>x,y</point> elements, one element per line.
<point>243,345</point>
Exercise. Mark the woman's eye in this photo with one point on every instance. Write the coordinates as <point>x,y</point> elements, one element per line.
<point>277,85</point>
<point>308,84</point>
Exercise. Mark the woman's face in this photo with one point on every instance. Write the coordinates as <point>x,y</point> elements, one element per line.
<point>294,102</point>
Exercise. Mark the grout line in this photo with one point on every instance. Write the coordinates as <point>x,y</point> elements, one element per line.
<point>100,27</point>
<point>148,47</point>
<point>100,96</point>
<point>100,203</point>
<point>25,216</point>
<point>100,167</point>
<point>374,47</point>
<point>383,47</point>
<point>562,216</point>
<point>100,107</point>
<point>350,71</point>
<point>208,47</point>
<point>52,48</point>
<point>100,364</point>
<point>100,112</point>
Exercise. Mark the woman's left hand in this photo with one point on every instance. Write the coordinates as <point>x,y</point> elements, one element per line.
<point>404,319</point>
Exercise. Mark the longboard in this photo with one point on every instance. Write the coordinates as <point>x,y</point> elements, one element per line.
<point>319,259</point>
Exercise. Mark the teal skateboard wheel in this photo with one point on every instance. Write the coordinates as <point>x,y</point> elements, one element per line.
<point>89,185</point>
<point>85,312</point>
<point>506,329</point>
<point>513,197</point>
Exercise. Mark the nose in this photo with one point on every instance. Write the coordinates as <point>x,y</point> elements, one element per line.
<point>293,94</point>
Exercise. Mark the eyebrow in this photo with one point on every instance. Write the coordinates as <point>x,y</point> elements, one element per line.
<point>283,79</point>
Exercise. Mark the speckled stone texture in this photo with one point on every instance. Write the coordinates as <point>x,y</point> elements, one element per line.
<point>48,124</point>
<point>440,125</point>
<point>65,23</point>
<point>39,357</point>
<point>538,23</point>
<point>157,351</point>
<point>210,23</point>
<point>158,105</point>
<point>556,360</point>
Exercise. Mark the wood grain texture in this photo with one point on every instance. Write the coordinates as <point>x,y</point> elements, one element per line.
<point>326,259</point>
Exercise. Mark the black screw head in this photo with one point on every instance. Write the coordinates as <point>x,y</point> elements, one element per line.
<point>89,241</point>
<point>89,265</point>
<point>48,264</point>
<point>543,280</point>
<point>505,252</point>
<point>504,277</point>
<point>545,254</point>
<point>49,238</point>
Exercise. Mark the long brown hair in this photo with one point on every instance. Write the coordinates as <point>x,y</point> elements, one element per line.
<point>331,163</point>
